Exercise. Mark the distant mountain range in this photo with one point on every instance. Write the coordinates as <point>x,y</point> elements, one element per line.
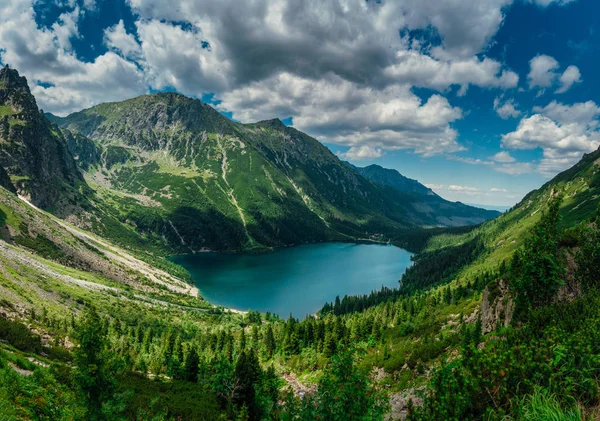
<point>392,178</point>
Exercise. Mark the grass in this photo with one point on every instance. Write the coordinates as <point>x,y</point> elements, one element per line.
<point>17,122</point>
<point>6,110</point>
<point>544,406</point>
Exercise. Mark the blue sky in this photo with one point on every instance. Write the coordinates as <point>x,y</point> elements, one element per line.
<point>481,101</point>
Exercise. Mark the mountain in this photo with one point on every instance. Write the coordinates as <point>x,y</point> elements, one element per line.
<point>392,178</point>
<point>447,213</point>
<point>33,153</point>
<point>179,171</point>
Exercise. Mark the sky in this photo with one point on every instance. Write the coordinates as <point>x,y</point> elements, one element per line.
<point>481,101</point>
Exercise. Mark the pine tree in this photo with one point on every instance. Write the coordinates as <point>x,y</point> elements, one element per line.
<point>248,373</point>
<point>270,345</point>
<point>242,340</point>
<point>191,365</point>
<point>94,376</point>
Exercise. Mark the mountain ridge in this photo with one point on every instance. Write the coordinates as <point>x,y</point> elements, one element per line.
<point>272,184</point>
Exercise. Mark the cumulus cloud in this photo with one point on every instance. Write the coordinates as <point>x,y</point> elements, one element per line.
<point>117,39</point>
<point>563,132</point>
<point>542,71</point>
<point>345,113</point>
<point>503,157</point>
<point>45,55</point>
<point>507,109</point>
<point>568,79</point>
<point>344,69</point>
<point>497,190</point>
<point>361,153</point>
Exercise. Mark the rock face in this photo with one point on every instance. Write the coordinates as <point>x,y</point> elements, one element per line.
<point>5,181</point>
<point>497,306</point>
<point>32,152</point>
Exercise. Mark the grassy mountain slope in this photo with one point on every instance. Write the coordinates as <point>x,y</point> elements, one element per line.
<point>177,169</point>
<point>579,188</point>
<point>40,253</point>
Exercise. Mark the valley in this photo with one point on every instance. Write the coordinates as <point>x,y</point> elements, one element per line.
<point>98,320</point>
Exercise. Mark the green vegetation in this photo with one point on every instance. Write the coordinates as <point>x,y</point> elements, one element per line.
<point>496,322</point>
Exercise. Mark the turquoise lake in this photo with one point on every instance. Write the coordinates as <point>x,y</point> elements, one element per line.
<point>297,280</point>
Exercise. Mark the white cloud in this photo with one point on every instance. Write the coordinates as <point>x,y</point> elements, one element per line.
<point>516,168</point>
<point>45,55</point>
<point>581,112</point>
<point>500,162</point>
<point>507,109</point>
<point>568,79</point>
<point>467,160</point>
<point>549,2</point>
<point>345,113</point>
<point>542,71</point>
<point>339,67</point>
<point>563,132</point>
<point>503,157</point>
<point>421,70</point>
<point>361,153</point>
<point>454,187</point>
<point>482,195</point>
<point>117,39</point>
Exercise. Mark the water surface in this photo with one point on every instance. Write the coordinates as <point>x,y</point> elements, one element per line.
<point>297,280</point>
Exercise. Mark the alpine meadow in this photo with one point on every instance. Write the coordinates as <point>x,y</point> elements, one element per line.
<point>368,210</point>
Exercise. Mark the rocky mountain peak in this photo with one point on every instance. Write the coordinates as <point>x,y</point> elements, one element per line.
<point>15,93</point>
<point>32,152</point>
<point>273,123</point>
<point>10,78</point>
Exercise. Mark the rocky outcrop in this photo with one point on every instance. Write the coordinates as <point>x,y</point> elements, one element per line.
<point>32,152</point>
<point>497,306</point>
<point>5,181</point>
<point>399,403</point>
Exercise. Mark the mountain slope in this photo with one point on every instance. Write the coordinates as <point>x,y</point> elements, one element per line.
<point>33,153</point>
<point>178,170</point>
<point>391,178</point>
<point>446,212</point>
<point>579,187</point>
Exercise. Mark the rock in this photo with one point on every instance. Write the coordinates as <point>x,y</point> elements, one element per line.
<point>399,402</point>
<point>497,306</point>
<point>33,153</point>
<point>5,181</point>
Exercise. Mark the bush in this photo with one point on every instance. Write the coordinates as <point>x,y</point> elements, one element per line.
<point>19,336</point>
